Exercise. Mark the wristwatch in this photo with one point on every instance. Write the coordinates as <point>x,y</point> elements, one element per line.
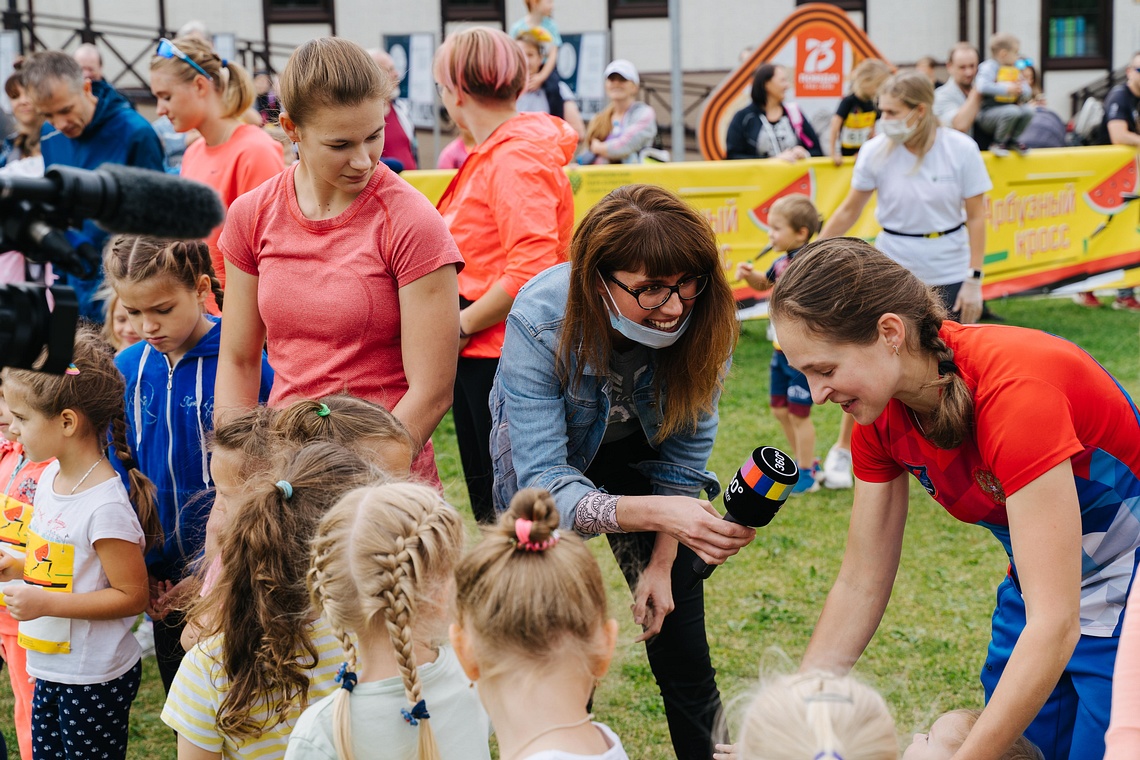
<point>974,274</point>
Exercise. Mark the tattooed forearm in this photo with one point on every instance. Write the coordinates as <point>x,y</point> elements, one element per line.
<point>597,513</point>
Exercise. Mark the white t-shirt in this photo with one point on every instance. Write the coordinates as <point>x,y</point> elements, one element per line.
<point>536,100</point>
<point>930,199</point>
<point>615,752</point>
<point>61,557</point>
<point>458,721</point>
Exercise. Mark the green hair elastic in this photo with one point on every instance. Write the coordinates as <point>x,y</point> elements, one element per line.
<point>324,411</point>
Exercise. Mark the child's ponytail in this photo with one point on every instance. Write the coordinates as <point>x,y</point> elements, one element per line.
<point>526,587</point>
<point>260,602</point>
<point>143,493</point>
<point>381,555</point>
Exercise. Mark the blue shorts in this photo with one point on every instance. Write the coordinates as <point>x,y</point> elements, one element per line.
<point>789,387</point>
<point>1072,723</point>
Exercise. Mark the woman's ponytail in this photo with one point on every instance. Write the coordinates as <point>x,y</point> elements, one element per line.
<point>238,92</point>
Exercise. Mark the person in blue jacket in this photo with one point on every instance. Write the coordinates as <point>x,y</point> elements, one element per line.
<point>88,124</point>
<point>170,374</point>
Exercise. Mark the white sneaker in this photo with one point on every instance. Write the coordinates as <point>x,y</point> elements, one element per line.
<point>144,635</point>
<point>836,472</point>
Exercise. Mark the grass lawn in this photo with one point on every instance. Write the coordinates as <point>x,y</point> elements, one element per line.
<point>927,653</point>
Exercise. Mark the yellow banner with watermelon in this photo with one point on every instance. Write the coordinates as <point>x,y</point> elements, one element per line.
<point>1054,217</point>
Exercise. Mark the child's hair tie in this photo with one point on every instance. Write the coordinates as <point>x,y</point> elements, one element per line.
<point>946,367</point>
<point>346,678</point>
<point>286,488</point>
<point>522,533</point>
<point>71,370</point>
<point>829,753</point>
<point>323,410</point>
<point>416,714</point>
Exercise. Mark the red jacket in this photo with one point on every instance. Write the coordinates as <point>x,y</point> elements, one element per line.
<point>511,211</point>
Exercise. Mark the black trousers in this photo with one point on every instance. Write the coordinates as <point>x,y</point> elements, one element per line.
<point>471,411</point>
<point>949,294</point>
<point>679,655</point>
<point>168,651</point>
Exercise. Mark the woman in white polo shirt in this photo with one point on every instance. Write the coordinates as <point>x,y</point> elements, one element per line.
<point>930,181</point>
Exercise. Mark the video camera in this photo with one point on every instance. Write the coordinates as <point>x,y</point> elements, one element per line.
<point>37,323</point>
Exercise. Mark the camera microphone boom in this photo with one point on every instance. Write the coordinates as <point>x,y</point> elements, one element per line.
<point>121,199</point>
<point>755,494</point>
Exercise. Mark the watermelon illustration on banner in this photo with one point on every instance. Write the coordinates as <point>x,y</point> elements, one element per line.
<point>801,185</point>
<point>1108,197</point>
<point>818,45</point>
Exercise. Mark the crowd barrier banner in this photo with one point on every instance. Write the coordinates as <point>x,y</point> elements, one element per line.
<point>1054,217</point>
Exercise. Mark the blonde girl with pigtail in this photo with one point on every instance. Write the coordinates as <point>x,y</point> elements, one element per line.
<point>814,716</point>
<point>84,578</point>
<point>382,567</point>
<point>264,654</point>
<point>533,632</point>
<point>164,285</point>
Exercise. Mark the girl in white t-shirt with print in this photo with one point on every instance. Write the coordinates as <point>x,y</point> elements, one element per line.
<point>84,577</point>
<point>534,634</point>
<point>382,567</point>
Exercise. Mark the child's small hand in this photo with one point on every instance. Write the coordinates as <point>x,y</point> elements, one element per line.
<point>27,602</point>
<point>837,159</point>
<point>743,269</point>
<point>725,752</point>
<point>10,568</point>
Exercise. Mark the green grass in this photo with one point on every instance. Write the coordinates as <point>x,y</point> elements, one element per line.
<point>927,653</point>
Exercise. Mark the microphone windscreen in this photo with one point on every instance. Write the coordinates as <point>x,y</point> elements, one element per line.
<point>154,203</point>
<point>761,486</point>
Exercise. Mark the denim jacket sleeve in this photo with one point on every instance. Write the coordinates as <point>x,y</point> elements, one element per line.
<point>529,426</point>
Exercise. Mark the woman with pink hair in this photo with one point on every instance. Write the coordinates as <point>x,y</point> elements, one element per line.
<point>510,209</point>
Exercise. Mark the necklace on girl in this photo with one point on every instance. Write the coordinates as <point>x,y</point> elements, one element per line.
<point>552,729</point>
<point>97,461</point>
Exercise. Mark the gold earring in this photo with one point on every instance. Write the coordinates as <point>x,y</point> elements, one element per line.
<point>896,348</point>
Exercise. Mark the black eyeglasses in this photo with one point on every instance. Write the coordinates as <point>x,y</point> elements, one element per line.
<point>655,296</point>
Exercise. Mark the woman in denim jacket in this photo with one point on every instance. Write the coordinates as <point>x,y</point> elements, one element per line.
<point>606,396</point>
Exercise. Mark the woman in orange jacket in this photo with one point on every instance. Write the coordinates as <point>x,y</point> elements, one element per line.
<point>510,209</point>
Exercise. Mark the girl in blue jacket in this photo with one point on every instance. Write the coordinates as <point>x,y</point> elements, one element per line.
<point>163,285</point>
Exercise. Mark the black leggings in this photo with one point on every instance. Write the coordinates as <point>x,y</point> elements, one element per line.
<point>679,655</point>
<point>471,411</point>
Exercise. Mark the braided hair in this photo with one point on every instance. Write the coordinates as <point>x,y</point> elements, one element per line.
<point>136,258</point>
<point>839,287</point>
<point>381,555</point>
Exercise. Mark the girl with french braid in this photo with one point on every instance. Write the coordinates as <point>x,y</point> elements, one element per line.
<point>164,285</point>
<point>382,566</point>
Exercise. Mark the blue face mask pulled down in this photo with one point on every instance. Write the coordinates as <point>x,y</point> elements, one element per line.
<point>646,336</point>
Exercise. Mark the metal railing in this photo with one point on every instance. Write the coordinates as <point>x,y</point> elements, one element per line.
<point>131,45</point>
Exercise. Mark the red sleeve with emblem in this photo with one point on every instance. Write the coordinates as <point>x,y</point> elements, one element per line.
<point>1024,428</point>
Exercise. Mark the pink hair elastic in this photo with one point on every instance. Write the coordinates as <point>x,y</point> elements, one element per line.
<point>522,533</point>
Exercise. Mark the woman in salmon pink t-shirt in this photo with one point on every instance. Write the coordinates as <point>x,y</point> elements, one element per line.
<point>346,271</point>
<point>210,96</point>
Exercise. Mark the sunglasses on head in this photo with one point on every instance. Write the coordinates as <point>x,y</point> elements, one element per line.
<point>167,49</point>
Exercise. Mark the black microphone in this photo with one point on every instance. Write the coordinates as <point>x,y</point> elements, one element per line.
<point>123,199</point>
<point>755,494</point>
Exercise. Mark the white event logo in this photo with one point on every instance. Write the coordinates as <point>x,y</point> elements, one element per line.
<point>821,56</point>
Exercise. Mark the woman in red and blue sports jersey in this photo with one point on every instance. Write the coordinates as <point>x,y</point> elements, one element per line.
<point>1012,429</point>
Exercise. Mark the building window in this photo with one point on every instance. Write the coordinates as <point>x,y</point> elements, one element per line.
<point>639,9</point>
<point>856,9</point>
<point>1076,34</point>
<point>474,10</point>
<point>299,11</point>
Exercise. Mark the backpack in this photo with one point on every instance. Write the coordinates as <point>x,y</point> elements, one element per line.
<point>1087,123</point>
<point>796,117</point>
